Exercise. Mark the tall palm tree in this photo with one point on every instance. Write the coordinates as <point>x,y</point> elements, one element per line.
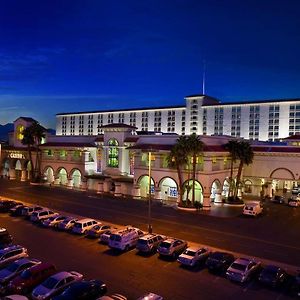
<point>245,156</point>
<point>195,148</point>
<point>232,146</point>
<point>178,157</point>
<point>28,140</point>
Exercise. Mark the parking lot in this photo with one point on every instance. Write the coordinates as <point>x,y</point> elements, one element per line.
<point>129,273</point>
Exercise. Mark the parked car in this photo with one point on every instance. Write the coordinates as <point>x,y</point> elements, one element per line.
<point>55,284</point>
<point>171,247</point>
<point>5,238</point>
<point>27,211</point>
<point>41,215</point>
<point>53,221</point>
<point>150,296</point>
<point>83,290</point>
<point>67,224</point>
<point>30,278</point>
<point>124,239</point>
<point>149,242</point>
<point>15,297</point>
<point>104,237</point>
<point>194,255</point>
<point>113,297</point>
<point>272,275</point>
<point>11,253</point>
<point>242,269</point>
<point>294,201</point>
<point>83,225</point>
<point>17,210</point>
<point>14,269</point>
<point>278,199</point>
<point>6,205</point>
<point>219,261</point>
<point>96,230</point>
<point>253,209</point>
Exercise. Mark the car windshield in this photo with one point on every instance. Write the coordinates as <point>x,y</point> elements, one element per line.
<point>239,267</point>
<point>268,271</point>
<point>12,267</point>
<point>78,225</point>
<point>115,237</point>
<point>189,252</point>
<point>50,283</point>
<point>217,255</point>
<point>96,227</point>
<point>25,274</point>
<point>165,244</point>
<point>142,242</point>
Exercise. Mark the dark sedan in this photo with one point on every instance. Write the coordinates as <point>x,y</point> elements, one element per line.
<point>6,205</point>
<point>83,290</point>
<point>273,276</point>
<point>219,261</point>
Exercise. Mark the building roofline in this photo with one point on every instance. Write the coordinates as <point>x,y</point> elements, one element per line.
<point>121,110</point>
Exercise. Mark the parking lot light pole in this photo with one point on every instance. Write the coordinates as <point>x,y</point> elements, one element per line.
<point>149,196</point>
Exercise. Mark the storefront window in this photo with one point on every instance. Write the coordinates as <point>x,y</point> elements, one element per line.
<point>113,153</point>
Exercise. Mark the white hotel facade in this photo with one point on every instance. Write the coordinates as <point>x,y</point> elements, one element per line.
<point>266,120</point>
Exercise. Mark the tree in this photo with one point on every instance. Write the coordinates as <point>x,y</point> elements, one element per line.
<point>178,157</point>
<point>28,140</point>
<point>32,137</point>
<point>232,146</point>
<point>245,155</point>
<point>195,148</point>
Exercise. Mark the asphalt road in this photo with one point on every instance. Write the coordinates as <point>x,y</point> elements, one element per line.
<point>273,236</point>
<point>128,273</point>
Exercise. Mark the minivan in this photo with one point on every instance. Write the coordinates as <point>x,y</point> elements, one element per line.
<point>149,242</point>
<point>82,226</point>
<point>38,216</point>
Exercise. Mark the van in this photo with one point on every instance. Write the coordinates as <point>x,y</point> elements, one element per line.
<point>82,226</point>
<point>27,211</point>
<point>125,238</point>
<point>38,216</point>
<point>252,209</point>
<point>149,242</point>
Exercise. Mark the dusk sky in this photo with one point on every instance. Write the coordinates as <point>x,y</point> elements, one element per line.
<point>79,55</point>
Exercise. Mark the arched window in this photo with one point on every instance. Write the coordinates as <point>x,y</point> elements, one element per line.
<point>20,129</point>
<point>113,153</point>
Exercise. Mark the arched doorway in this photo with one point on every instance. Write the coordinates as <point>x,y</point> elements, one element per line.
<point>282,180</point>
<point>76,177</point>
<point>18,169</point>
<point>144,185</point>
<point>247,186</point>
<point>168,187</point>
<point>6,167</point>
<point>63,176</point>
<point>49,174</point>
<point>28,169</point>
<point>225,190</point>
<point>215,189</point>
<point>187,195</point>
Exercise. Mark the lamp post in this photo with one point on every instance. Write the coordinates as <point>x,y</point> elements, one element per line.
<point>149,200</point>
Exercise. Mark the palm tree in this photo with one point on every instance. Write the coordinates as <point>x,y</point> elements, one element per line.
<point>245,155</point>
<point>195,148</point>
<point>178,157</point>
<point>28,140</point>
<point>232,146</point>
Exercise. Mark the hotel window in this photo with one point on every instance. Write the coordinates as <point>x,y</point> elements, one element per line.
<point>113,153</point>
<point>90,125</point>
<point>72,125</point>
<point>219,113</point>
<point>273,129</point>
<point>132,119</point>
<point>254,118</point>
<point>121,117</point>
<point>110,118</point>
<point>100,124</point>
<point>183,122</point>
<point>204,121</point>
<point>294,121</point>
<point>236,121</point>
<point>171,121</point>
<point>145,121</point>
<point>81,125</point>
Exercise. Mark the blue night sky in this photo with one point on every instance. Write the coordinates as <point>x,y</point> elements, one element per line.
<point>78,55</point>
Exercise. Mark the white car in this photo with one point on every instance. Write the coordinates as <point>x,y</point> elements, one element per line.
<point>15,297</point>
<point>150,296</point>
<point>294,201</point>
<point>55,284</point>
<point>11,253</point>
<point>82,226</point>
<point>253,209</point>
<point>67,224</point>
<point>39,216</point>
<point>193,255</point>
<point>104,237</point>
<point>242,269</point>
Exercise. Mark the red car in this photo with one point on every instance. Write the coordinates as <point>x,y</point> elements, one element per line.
<point>30,278</point>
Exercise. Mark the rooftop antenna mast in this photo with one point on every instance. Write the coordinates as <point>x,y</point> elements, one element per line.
<point>203,78</point>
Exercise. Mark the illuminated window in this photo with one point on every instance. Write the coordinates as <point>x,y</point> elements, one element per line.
<point>113,153</point>
<point>20,129</point>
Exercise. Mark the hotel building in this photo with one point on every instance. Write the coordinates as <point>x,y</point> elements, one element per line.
<point>266,120</point>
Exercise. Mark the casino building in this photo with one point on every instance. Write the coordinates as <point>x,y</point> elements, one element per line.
<point>268,120</point>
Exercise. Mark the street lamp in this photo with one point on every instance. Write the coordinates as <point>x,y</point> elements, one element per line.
<point>149,200</point>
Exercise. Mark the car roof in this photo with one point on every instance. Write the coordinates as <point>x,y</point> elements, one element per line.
<point>243,261</point>
<point>252,203</point>
<point>61,275</point>
<point>85,220</point>
<point>195,248</point>
<point>10,248</point>
<point>271,268</point>
<point>148,236</point>
<point>41,266</point>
